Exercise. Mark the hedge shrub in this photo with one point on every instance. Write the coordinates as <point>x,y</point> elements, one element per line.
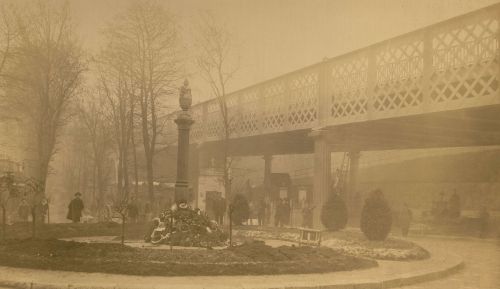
<point>240,209</point>
<point>334,213</point>
<point>376,217</point>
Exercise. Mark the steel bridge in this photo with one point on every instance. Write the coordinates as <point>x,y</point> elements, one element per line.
<point>434,87</point>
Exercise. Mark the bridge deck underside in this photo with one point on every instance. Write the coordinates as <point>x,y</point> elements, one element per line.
<point>459,128</point>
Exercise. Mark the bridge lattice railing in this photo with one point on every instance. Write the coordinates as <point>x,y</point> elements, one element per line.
<point>446,66</point>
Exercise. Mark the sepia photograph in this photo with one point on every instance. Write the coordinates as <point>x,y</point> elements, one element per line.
<point>249,144</point>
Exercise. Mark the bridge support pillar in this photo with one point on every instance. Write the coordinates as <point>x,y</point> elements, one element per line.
<point>268,159</point>
<point>322,175</point>
<point>353,197</point>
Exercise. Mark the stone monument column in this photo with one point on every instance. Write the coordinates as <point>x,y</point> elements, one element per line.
<point>184,122</point>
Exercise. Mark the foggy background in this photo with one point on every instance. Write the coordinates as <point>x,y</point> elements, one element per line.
<point>272,38</point>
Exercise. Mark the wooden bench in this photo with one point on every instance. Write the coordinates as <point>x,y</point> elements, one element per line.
<point>309,237</point>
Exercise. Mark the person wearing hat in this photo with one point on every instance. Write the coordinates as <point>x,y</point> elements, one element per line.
<point>75,209</point>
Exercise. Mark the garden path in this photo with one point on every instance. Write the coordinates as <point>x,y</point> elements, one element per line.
<point>388,271</point>
<point>482,264</point>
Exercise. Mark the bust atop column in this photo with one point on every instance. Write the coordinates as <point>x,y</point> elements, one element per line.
<point>185,99</point>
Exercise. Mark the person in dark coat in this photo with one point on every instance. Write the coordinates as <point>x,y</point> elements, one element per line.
<point>278,215</point>
<point>307,215</point>
<point>24,210</point>
<point>261,212</point>
<point>219,209</point>
<point>484,218</point>
<point>286,212</point>
<point>133,211</point>
<point>75,209</point>
<point>41,210</point>
<point>405,220</point>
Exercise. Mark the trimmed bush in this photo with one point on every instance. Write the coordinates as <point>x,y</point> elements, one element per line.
<point>376,217</point>
<point>241,210</point>
<point>334,213</point>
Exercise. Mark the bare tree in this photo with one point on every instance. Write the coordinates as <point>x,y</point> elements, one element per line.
<point>147,34</point>
<point>75,157</point>
<point>114,85</point>
<point>34,193</point>
<point>8,35</point>
<point>43,77</point>
<point>8,40</point>
<point>7,192</point>
<point>120,206</point>
<point>218,62</point>
<point>92,114</point>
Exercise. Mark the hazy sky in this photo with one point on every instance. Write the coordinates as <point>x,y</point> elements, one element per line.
<point>279,36</point>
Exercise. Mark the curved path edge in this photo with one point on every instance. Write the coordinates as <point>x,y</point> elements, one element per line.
<point>389,274</point>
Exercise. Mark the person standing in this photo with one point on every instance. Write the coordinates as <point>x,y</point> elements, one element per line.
<point>24,210</point>
<point>75,209</point>
<point>307,215</point>
<point>278,213</point>
<point>261,214</point>
<point>133,211</point>
<point>253,213</point>
<point>148,211</point>
<point>454,206</point>
<point>484,218</point>
<point>219,209</point>
<point>286,212</point>
<point>43,209</point>
<point>405,220</point>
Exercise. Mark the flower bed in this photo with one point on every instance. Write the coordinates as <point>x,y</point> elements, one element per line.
<point>262,234</point>
<point>352,243</point>
<point>248,259</point>
<point>359,249</point>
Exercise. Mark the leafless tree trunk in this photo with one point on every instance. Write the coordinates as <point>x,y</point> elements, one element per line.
<point>218,63</point>
<point>43,77</point>
<point>147,34</point>
<point>136,169</point>
<point>92,116</point>
<point>114,85</point>
<point>8,36</point>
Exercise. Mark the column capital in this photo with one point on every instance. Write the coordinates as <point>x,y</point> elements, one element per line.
<point>267,157</point>
<point>318,133</point>
<point>184,120</point>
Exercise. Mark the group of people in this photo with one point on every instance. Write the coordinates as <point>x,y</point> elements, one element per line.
<point>25,211</point>
<point>134,212</point>
<point>282,213</point>
<point>446,209</point>
<point>218,207</point>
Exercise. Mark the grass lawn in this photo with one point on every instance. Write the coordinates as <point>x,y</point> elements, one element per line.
<point>68,230</point>
<point>253,258</point>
